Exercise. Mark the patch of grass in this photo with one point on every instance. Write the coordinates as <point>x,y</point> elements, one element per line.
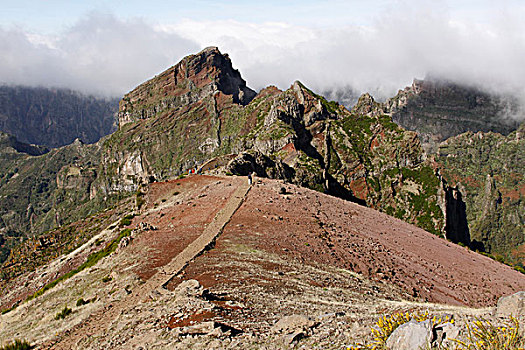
<point>4,311</point>
<point>139,199</point>
<point>81,302</point>
<point>126,220</point>
<point>106,279</point>
<point>17,344</point>
<point>91,261</point>
<point>64,313</point>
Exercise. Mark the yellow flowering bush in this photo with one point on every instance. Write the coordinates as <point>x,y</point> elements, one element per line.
<point>483,335</point>
<point>387,324</point>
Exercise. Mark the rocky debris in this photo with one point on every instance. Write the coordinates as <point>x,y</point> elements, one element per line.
<point>294,327</point>
<point>124,242</point>
<point>511,305</point>
<point>411,335</point>
<point>144,226</point>
<point>293,323</point>
<point>141,227</point>
<point>189,288</point>
<point>210,328</point>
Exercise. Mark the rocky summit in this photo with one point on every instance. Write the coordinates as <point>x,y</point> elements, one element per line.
<point>153,236</point>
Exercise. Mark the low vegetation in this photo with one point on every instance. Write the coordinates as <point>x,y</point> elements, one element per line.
<point>387,324</point>
<point>480,334</point>
<point>17,344</point>
<point>63,314</point>
<point>91,261</point>
<point>483,335</point>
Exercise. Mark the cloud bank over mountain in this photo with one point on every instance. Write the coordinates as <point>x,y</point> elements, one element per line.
<point>104,54</point>
<point>100,54</point>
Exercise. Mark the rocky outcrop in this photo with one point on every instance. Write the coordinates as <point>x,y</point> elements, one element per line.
<point>9,143</point>
<point>511,305</point>
<point>195,78</point>
<point>261,165</point>
<point>55,117</point>
<point>456,225</point>
<point>437,110</point>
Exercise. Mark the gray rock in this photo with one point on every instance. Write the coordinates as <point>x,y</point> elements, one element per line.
<point>189,288</point>
<point>445,333</point>
<point>294,337</point>
<point>511,305</point>
<point>124,242</point>
<point>411,335</point>
<point>292,324</point>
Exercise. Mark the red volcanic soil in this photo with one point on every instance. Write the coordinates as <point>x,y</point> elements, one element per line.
<point>310,227</point>
<point>184,208</point>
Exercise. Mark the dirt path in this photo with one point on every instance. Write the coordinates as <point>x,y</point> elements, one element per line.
<point>97,323</point>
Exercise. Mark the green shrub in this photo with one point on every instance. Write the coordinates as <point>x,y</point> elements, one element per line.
<point>126,220</point>
<point>139,199</point>
<point>17,344</point>
<point>64,313</point>
<point>106,279</point>
<point>81,302</point>
<point>519,268</point>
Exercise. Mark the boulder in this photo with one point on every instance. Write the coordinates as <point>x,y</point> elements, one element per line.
<point>292,324</point>
<point>411,335</point>
<point>189,288</point>
<point>444,334</point>
<point>511,305</point>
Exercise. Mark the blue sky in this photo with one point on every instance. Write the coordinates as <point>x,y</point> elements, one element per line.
<point>109,47</point>
<point>54,15</point>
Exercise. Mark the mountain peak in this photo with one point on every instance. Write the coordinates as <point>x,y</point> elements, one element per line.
<point>193,79</point>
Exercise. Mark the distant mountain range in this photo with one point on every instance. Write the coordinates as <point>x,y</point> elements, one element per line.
<point>55,117</point>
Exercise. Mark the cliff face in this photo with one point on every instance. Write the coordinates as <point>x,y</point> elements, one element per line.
<point>488,170</point>
<point>54,117</point>
<point>439,110</point>
<point>195,78</point>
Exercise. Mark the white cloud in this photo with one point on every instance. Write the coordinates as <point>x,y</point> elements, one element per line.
<point>99,54</point>
<point>407,42</point>
<point>102,53</point>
